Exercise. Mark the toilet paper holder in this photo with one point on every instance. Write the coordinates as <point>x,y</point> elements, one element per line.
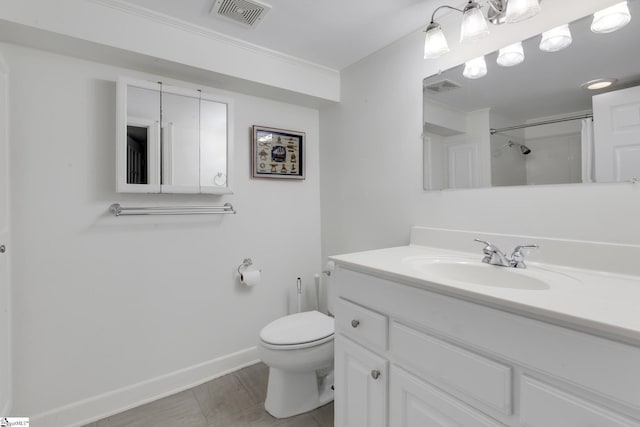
<point>245,264</point>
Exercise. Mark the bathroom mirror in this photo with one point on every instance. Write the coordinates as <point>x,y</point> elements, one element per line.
<point>487,131</point>
<point>172,139</point>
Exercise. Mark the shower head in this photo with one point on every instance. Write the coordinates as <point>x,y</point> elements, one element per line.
<point>523,148</point>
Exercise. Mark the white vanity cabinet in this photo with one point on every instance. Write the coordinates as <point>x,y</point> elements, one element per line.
<point>410,357</point>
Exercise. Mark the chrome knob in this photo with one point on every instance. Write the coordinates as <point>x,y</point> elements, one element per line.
<point>3,249</point>
<point>355,323</point>
<point>375,374</point>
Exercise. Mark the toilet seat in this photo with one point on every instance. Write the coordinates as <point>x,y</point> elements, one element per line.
<point>300,330</point>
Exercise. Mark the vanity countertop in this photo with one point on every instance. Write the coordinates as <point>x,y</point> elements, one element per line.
<point>602,303</point>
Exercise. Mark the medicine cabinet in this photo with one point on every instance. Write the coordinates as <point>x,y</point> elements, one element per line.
<point>172,139</point>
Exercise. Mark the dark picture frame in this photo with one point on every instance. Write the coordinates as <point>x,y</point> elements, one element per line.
<point>277,153</point>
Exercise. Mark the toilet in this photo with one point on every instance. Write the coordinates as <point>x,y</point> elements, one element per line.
<point>298,349</point>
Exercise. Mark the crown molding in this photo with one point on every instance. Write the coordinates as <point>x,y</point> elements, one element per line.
<point>161,18</point>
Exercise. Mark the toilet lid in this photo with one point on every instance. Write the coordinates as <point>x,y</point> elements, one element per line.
<point>298,328</point>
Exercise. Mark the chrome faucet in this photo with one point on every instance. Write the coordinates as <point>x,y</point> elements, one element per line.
<point>494,256</point>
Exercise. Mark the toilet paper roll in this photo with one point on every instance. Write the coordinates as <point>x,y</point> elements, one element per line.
<point>250,277</point>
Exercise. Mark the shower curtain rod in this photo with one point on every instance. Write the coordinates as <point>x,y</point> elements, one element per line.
<point>544,122</point>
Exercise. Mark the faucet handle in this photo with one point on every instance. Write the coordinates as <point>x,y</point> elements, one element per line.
<point>520,247</point>
<point>517,257</point>
<point>493,255</point>
<point>489,248</point>
<point>487,244</point>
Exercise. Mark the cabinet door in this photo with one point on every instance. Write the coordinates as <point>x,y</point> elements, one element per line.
<point>361,379</point>
<point>617,135</point>
<point>415,403</point>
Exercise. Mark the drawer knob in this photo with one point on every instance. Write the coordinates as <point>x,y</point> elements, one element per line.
<point>375,374</point>
<point>355,323</point>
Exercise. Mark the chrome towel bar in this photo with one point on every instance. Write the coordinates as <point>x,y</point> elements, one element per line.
<point>116,209</point>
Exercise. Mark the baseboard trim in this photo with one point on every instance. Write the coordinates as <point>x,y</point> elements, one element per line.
<point>113,402</point>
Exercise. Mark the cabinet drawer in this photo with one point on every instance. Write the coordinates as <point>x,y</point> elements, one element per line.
<point>361,324</point>
<point>415,403</point>
<point>543,405</point>
<point>468,373</point>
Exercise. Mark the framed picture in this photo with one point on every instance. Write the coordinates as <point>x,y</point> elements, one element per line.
<point>277,153</point>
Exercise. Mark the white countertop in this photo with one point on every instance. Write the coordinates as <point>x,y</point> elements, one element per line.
<point>606,304</point>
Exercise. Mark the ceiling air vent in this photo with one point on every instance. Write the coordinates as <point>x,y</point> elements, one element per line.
<point>442,86</point>
<point>247,13</point>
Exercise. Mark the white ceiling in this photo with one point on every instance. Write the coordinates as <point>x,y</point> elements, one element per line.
<point>333,33</point>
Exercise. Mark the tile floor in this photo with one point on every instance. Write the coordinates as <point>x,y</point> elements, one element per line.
<point>235,400</point>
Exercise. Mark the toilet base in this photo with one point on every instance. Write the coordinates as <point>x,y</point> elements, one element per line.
<point>292,393</point>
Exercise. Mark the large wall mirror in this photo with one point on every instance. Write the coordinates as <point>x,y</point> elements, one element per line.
<point>172,139</point>
<point>535,123</point>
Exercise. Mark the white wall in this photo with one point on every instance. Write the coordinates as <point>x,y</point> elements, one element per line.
<point>555,151</point>
<point>554,160</point>
<point>442,119</point>
<point>372,150</point>
<point>507,163</point>
<point>452,139</point>
<point>119,310</point>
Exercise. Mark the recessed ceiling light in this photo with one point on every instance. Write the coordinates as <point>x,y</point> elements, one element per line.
<point>598,84</point>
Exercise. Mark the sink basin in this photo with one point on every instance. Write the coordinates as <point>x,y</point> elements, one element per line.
<point>478,273</point>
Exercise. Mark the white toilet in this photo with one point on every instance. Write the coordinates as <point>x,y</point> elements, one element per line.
<point>299,352</point>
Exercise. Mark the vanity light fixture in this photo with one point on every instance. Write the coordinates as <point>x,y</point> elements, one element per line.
<point>474,24</point>
<point>511,55</point>
<point>435,44</point>
<point>598,84</point>
<point>520,10</point>
<point>475,69</point>
<point>556,39</point>
<point>611,19</point>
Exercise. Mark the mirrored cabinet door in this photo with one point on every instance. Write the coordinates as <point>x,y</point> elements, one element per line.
<point>180,144</point>
<point>214,150</point>
<point>142,156</point>
<point>172,139</point>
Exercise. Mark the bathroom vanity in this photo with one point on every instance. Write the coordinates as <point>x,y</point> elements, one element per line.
<point>430,336</point>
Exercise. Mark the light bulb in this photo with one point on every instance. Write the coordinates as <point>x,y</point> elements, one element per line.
<point>474,26</point>
<point>511,55</point>
<point>475,69</point>
<point>611,19</point>
<point>556,39</point>
<point>519,10</point>
<point>435,44</point>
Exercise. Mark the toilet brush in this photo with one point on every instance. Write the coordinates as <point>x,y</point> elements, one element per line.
<point>317,283</point>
